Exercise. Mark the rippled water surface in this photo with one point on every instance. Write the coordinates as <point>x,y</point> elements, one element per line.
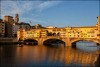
<point>85,54</point>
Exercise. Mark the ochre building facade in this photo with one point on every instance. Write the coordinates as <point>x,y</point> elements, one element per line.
<point>67,34</point>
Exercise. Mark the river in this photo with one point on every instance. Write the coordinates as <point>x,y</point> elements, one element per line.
<point>85,54</point>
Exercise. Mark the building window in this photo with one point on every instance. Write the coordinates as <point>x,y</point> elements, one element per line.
<point>54,30</point>
<point>81,36</point>
<point>58,34</point>
<point>74,35</point>
<point>54,34</point>
<point>88,35</point>
<point>49,34</point>
<point>92,36</point>
<point>58,30</point>
<point>85,36</point>
<point>78,35</point>
<point>70,35</point>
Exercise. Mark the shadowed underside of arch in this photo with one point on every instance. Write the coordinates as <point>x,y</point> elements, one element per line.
<point>31,42</point>
<point>73,42</point>
<point>53,41</point>
<point>66,41</point>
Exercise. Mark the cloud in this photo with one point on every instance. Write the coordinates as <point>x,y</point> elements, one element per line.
<point>33,20</point>
<point>47,4</point>
<point>23,7</point>
<point>13,7</point>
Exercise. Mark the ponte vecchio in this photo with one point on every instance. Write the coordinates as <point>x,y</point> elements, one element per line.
<point>69,35</point>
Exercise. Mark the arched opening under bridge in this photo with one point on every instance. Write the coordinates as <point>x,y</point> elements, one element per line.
<point>30,42</point>
<point>54,42</point>
<point>85,44</point>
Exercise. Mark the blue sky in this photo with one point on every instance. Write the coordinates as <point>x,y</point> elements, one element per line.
<point>53,13</point>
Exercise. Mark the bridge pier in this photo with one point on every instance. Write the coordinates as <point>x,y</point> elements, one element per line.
<point>67,42</point>
<point>99,46</point>
<point>40,42</point>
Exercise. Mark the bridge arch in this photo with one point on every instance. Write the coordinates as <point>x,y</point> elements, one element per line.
<point>31,42</point>
<point>54,41</point>
<point>73,42</point>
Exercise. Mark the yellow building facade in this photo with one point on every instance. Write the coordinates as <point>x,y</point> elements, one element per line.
<point>66,32</point>
<point>79,32</point>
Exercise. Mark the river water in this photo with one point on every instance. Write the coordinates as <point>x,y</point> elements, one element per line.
<point>85,54</point>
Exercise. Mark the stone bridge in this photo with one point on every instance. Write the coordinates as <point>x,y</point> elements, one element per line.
<point>68,41</point>
<point>69,35</point>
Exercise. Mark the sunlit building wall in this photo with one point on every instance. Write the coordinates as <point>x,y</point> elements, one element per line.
<point>76,32</point>
<point>21,34</point>
<point>83,32</point>
<point>43,33</point>
<point>71,32</point>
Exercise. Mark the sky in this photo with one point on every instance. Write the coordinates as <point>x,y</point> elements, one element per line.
<point>53,13</point>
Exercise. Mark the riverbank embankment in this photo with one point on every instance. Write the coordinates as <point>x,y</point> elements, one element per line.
<point>10,41</point>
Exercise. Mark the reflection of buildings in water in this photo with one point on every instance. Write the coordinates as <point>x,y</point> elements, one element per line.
<point>72,56</point>
<point>87,46</point>
<point>66,55</point>
<point>28,53</point>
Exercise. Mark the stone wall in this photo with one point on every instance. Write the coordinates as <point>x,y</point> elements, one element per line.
<point>8,39</point>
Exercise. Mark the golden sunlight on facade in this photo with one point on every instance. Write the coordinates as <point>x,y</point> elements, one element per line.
<point>91,33</point>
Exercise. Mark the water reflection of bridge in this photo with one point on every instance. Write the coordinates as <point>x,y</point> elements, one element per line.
<point>65,55</point>
<point>71,56</point>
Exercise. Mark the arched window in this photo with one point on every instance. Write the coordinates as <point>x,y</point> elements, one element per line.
<point>58,34</point>
<point>54,34</point>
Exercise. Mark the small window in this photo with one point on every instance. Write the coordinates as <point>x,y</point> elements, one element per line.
<point>78,35</point>
<point>88,35</point>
